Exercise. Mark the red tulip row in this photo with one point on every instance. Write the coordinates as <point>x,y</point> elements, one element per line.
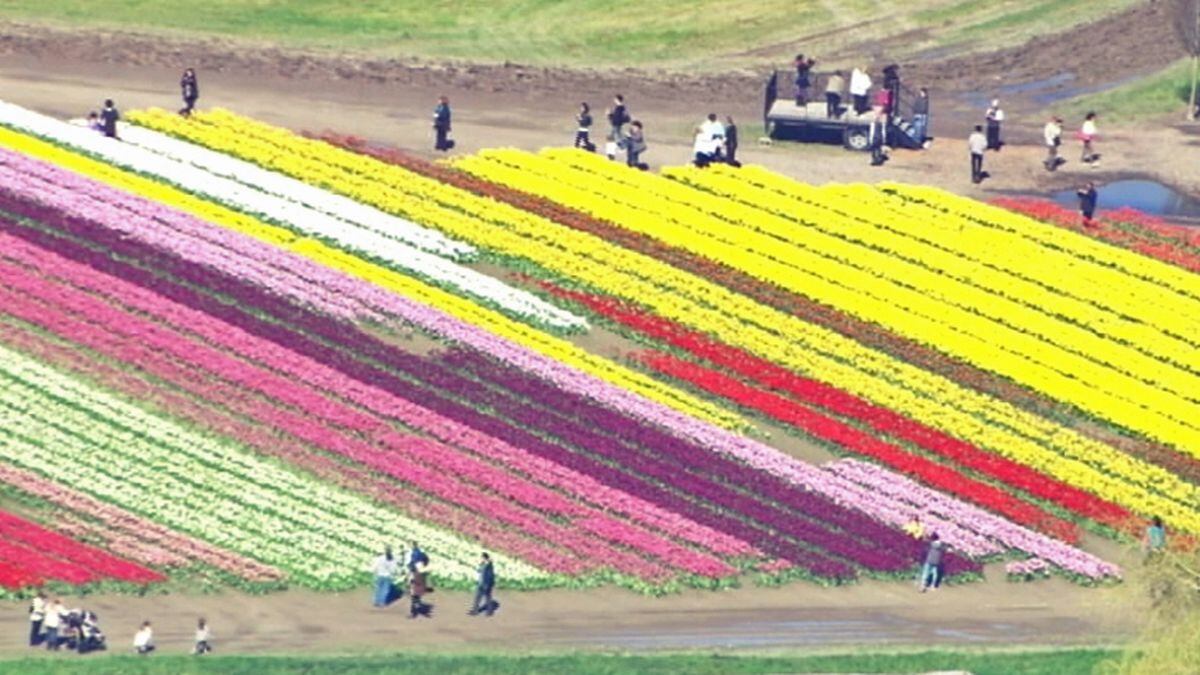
<point>32,555</point>
<point>810,392</point>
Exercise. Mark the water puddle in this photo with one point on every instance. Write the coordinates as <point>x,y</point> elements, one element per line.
<point>1144,195</point>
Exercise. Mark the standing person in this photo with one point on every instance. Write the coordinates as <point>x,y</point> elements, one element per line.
<point>418,586</point>
<point>583,128</point>
<point>53,622</point>
<point>484,586</point>
<point>994,117</point>
<point>731,142</point>
<point>1087,134</point>
<point>109,117</point>
<point>883,101</point>
<point>143,640</point>
<point>618,117</point>
<point>1052,135</point>
<point>441,125</point>
<point>891,82</point>
<point>1155,541</point>
<point>203,638</point>
<point>384,569</point>
<point>416,557</point>
<point>803,79</point>
<point>920,118</point>
<point>860,86</point>
<point>931,572</point>
<point>37,614</point>
<point>635,144</point>
<point>190,90</point>
<point>977,144</point>
<point>833,95</point>
<point>878,137</point>
<point>1087,202</point>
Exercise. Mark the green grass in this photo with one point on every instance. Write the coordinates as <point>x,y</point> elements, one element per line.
<point>670,33</point>
<point>1159,94</point>
<point>1043,662</point>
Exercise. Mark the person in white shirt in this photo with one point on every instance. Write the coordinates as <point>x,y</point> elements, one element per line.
<point>977,144</point>
<point>994,117</point>
<point>1052,134</point>
<point>37,615</point>
<point>384,569</point>
<point>860,87</point>
<point>704,148</point>
<point>203,637</point>
<point>143,640</point>
<point>711,127</point>
<point>53,622</point>
<point>1087,134</point>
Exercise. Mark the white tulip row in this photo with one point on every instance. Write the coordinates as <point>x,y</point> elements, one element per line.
<point>91,441</point>
<point>286,187</point>
<point>301,218</point>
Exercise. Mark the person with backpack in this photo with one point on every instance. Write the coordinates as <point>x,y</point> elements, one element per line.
<point>618,117</point>
<point>190,89</point>
<point>441,125</point>
<point>583,128</point>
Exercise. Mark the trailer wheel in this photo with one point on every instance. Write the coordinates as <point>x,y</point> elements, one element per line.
<point>857,139</point>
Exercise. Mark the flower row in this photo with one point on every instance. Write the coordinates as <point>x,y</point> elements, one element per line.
<point>46,555</point>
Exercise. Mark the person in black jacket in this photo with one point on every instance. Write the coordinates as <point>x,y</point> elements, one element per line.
<point>1087,202</point>
<point>190,90</point>
<point>803,79</point>
<point>483,588</point>
<point>731,142</point>
<point>441,125</point>
<point>583,122</point>
<point>109,117</point>
<point>618,117</point>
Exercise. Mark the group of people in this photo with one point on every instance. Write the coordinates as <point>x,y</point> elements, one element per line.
<point>715,141</point>
<point>987,136</point>
<point>386,567</point>
<point>53,625</point>
<point>1052,135</point>
<point>624,132</point>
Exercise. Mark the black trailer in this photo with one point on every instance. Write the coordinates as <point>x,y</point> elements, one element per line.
<point>784,120</point>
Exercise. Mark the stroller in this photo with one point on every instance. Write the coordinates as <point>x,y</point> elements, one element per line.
<point>83,632</point>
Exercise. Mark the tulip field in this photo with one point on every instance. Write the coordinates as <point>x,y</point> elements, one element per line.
<point>234,351</point>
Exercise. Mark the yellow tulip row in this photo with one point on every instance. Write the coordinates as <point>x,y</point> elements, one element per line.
<point>970,323</point>
<point>824,355</point>
<point>494,322</point>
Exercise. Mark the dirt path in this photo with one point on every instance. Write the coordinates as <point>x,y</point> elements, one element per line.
<point>797,616</point>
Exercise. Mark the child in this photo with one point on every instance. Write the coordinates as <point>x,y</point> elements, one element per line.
<point>143,640</point>
<point>202,638</point>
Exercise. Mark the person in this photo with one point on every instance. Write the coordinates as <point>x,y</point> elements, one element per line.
<point>1052,135</point>
<point>483,587</point>
<point>384,569</point>
<point>143,640</point>
<point>891,82</point>
<point>583,128</point>
<point>931,572</point>
<point>93,122</point>
<point>37,614</point>
<point>994,117</point>
<point>53,622</point>
<point>1087,202</point>
<point>203,638</point>
<point>441,125</point>
<point>731,142</point>
<point>418,586</point>
<point>635,144</point>
<point>914,528</point>
<point>91,638</point>
<point>1087,134</point>
<point>1155,541</point>
<point>713,128</point>
<point>190,90</point>
<point>702,154</point>
<point>618,117</point>
<point>416,557</point>
<point>878,136</point>
<point>977,144</point>
<point>803,79</point>
<point>920,118</point>
<point>883,101</point>
<point>833,95</point>
<point>109,117</point>
<point>860,86</point>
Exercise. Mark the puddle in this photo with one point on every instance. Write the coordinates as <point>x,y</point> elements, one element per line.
<point>1144,195</point>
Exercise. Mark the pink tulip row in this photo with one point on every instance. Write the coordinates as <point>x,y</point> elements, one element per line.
<point>159,543</point>
<point>921,500</point>
<point>379,402</point>
<point>151,342</point>
<point>268,442</point>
